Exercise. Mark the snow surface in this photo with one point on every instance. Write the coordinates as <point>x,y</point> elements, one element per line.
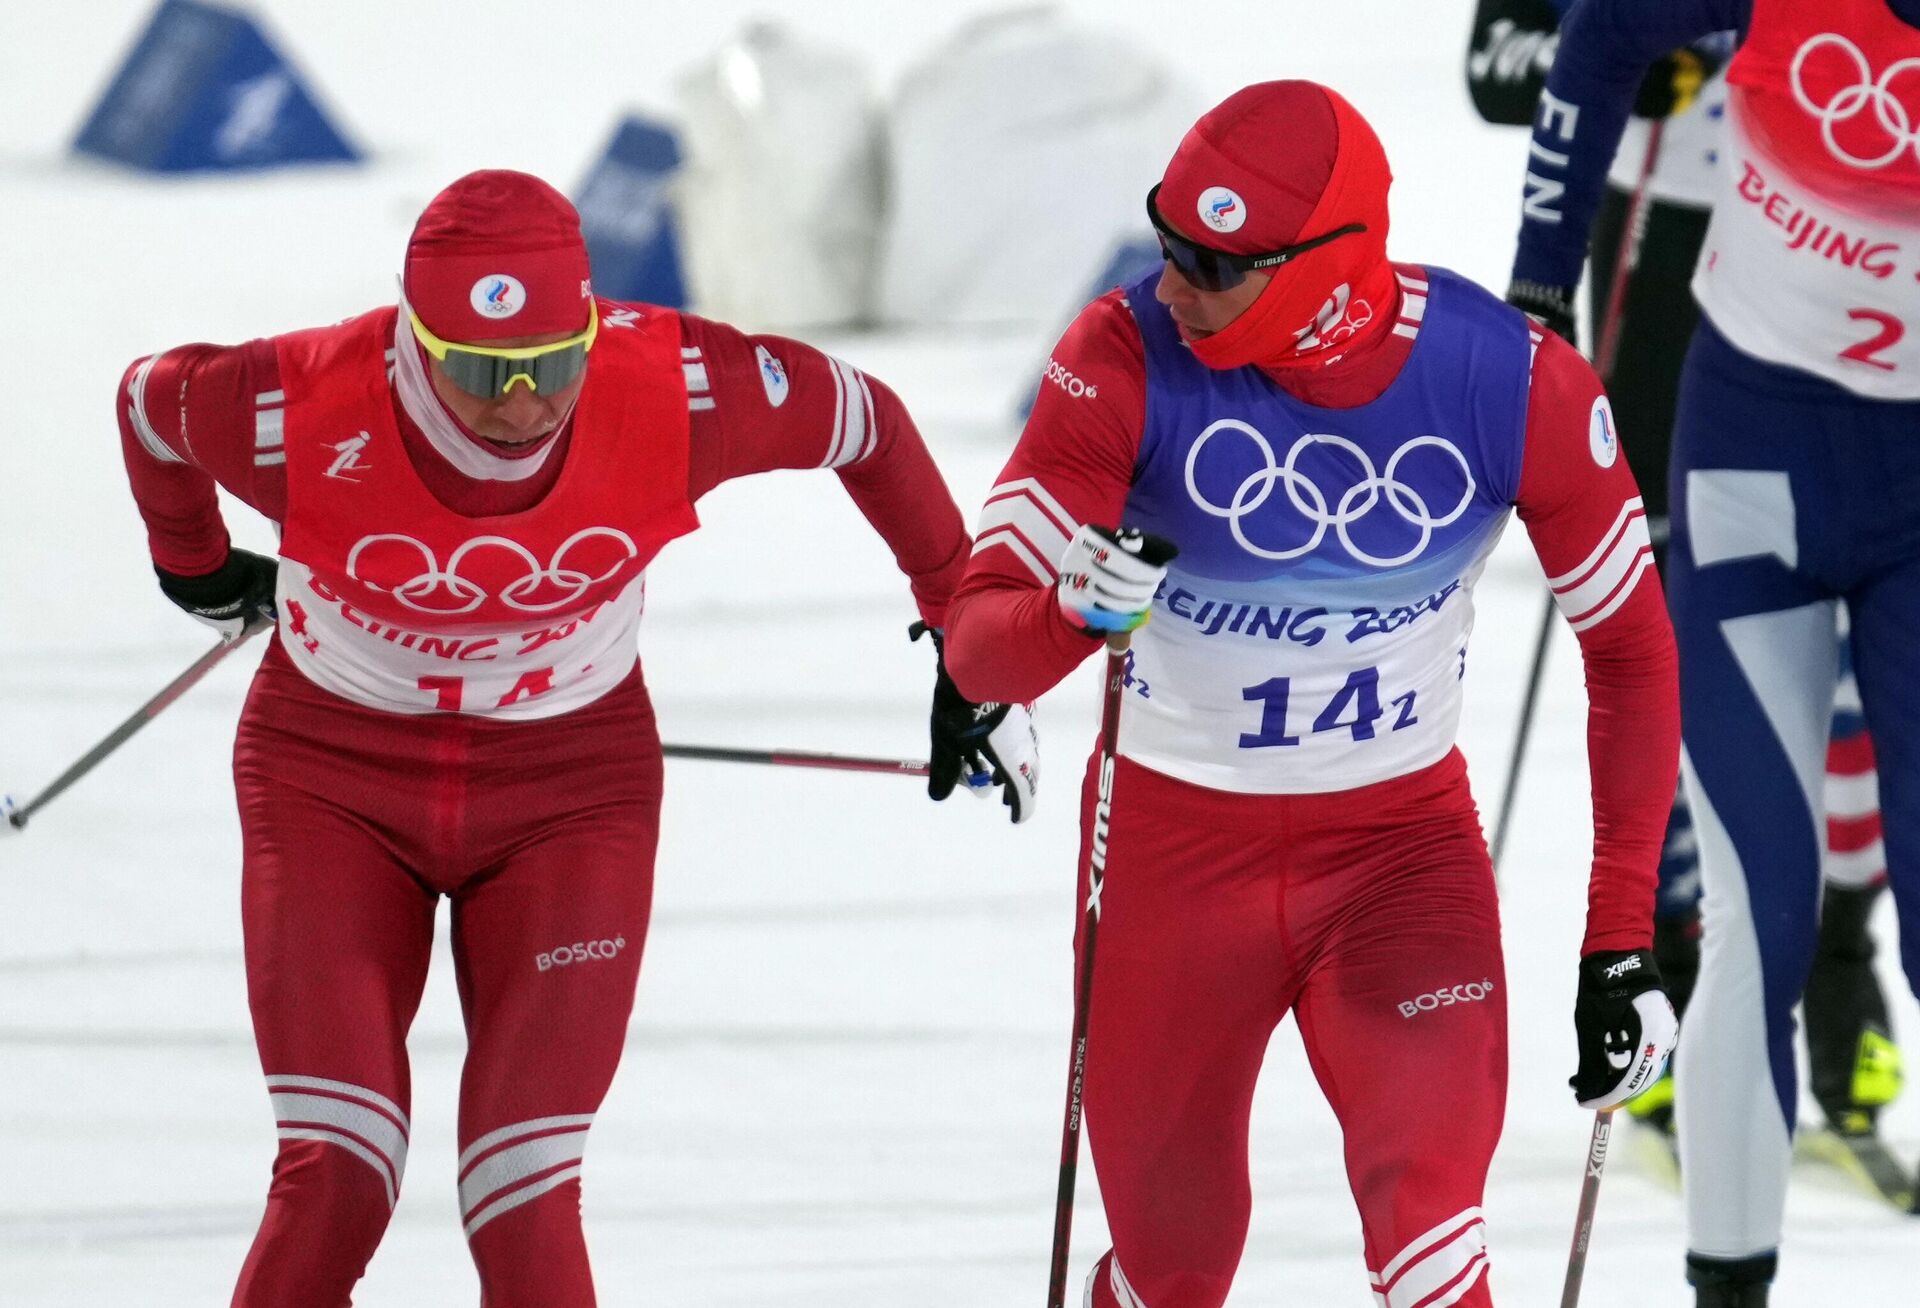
<point>846,1066</point>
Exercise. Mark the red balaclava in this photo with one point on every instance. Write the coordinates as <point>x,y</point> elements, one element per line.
<point>1274,164</point>
<point>498,254</point>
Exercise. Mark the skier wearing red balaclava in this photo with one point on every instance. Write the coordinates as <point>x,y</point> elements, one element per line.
<point>1334,443</point>
<point>1330,173</point>
<point>470,487</point>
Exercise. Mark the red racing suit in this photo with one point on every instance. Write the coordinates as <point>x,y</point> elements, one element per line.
<point>1243,883</point>
<point>452,705</point>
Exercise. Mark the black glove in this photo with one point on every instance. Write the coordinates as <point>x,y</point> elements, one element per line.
<point>238,592</point>
<point>982,745</point>
<point>1550,306</point>
<point>1673,83</point>
<point>1625,1027</point>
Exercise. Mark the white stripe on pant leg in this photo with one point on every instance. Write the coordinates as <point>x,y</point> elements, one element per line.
<point>1790,661</point>
<point>281,1081</point>
<point>1434,1275</point>
<point>516,1163</point>
<point>512,1201</point>
<point>1734,1149</point>
<point>363,1122</point>
<point>506,1133</point>
<point>1121,1290</point>
<point>1433,1237</point>
<point>1734,1144</point>
<point>378,1130</point>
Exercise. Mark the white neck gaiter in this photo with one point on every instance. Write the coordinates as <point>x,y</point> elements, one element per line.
<point>415,389</point>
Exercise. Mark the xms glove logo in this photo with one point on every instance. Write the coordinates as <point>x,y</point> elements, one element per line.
<point>1624,966</point>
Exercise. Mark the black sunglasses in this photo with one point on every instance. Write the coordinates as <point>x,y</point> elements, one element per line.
<point>1216,270</point>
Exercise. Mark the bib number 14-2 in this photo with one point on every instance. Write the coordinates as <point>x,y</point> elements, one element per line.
<point>1355,707</point>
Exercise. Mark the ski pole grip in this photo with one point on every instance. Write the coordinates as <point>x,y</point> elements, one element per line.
<point>1156,550</point>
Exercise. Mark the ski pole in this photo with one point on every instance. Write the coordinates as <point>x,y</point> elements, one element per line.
<point>1083,993</point>
<point>1589,1201</point>
<point>1153,549</point>
<point>797,758</point>
<point>17,816</point>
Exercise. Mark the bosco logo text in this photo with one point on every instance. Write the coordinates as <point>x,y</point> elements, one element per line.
<point>1069,383</point>
<point>581,951</point>
<point>1469,992</point>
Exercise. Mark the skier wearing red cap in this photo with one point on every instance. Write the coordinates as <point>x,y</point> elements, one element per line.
<point>470,487</point>
<point>1334,442</point>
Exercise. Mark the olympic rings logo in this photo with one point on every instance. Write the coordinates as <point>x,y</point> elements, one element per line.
<point>1312,503</point>
<point>542,588</point>
<point>1846,103</point>
<point>1335,321</point>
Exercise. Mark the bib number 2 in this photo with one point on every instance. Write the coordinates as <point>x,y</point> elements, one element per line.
<point>1355,707</point>
<point>1889,334</point>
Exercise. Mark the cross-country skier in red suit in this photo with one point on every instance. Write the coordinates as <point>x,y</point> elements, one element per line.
<point>1334,441</point>
<point>469,488</point>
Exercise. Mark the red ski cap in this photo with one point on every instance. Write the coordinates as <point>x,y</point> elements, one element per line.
<point>1246,177</point>
<point>1274,164</point>
<point>498,254</point>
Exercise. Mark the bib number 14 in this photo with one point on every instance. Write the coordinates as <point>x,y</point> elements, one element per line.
<point>1355,707</point>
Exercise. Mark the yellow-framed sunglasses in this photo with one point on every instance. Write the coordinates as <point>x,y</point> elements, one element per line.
<point>488,373</point>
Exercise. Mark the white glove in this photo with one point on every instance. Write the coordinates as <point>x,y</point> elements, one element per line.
<point>1624,1025</point>
<point>1012,748</point>
<point>1108,578</point>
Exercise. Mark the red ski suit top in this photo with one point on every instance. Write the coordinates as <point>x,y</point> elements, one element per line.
<point>198,415</point>
<point>1008,638</point>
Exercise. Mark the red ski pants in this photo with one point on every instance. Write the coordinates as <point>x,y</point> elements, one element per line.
<point>355,822</point>
<point>1370,915</point>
